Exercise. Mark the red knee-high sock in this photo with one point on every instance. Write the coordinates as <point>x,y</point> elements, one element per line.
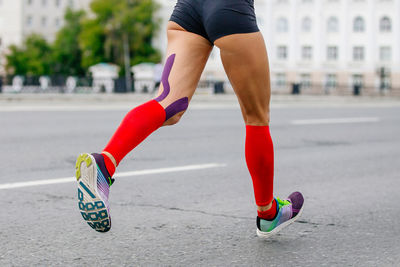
<point>138,124</point>
<point>260,162</point>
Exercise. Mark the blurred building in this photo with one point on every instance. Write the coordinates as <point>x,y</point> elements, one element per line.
<point>325,45</point>
<point>19,18</point>
<point>328,45</point>
<point>332,43</point>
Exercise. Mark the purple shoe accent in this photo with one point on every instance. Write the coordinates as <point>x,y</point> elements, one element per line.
<point>286,214</point>
<point>164,78</point>
<point>297,201</point>
<point>176,107</point>
<point>102,166</point>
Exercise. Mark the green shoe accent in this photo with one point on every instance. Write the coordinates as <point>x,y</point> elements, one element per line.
<point>82,158</point>
<point>78,174</point>
<point>88,161</point>
<point>282,202</point>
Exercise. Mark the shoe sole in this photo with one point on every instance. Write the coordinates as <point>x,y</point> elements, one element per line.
<point>91,205</point>
<point>264,235</point>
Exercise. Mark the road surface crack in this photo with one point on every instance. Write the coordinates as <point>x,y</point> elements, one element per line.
<point>186,210</point>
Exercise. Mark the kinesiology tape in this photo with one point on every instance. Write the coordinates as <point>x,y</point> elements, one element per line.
<point>180,104</point>
<point>141,121</point>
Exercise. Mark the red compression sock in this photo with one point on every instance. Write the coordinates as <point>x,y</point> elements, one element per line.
<point>260,162</point>
<point>269,214</point>
<point>138,124</point>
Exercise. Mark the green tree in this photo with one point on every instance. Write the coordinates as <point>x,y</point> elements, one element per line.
<point>33,58</point>
<point>67,55</point>
<point>120,29</point>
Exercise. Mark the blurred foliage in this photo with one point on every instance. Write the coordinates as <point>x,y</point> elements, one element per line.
<point>33,58</point>
<point>67,55</point>
<point>84,41</point>
<point>103,35</point>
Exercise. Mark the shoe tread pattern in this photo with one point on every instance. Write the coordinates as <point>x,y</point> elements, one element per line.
<point>91,207</point>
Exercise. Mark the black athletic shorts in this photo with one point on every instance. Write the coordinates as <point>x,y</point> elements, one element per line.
<point>214,19</point>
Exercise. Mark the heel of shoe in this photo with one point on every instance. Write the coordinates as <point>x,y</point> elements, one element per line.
<point>83,158</point>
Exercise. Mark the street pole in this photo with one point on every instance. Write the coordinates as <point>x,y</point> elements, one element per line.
<point>127,61</point>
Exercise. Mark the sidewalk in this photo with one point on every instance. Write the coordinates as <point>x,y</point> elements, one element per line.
<point>124,101</point>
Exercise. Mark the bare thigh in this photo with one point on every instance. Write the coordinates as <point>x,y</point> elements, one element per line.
<point>191,55</point>
<point>245,60</point>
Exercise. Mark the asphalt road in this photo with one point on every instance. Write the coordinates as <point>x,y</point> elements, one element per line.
<point>347,168</point>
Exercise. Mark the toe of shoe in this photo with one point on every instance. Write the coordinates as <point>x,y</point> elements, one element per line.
<point>297,200</point>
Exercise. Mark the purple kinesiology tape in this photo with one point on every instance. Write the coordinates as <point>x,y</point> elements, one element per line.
<point>177,106</point>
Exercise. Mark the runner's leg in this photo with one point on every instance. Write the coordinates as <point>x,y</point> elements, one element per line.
<point>245,60</point>
<point>187,54</point>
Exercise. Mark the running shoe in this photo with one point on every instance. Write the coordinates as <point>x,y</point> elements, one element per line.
<point>288,211</point>
<point>93,188</point>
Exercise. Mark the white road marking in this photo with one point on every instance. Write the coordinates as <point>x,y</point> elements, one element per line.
<point>335,121</point>
<point>118,175</point>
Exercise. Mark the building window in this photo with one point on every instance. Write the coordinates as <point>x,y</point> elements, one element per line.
<point>359,24</point>
<point>385,79</point>
<point>385,25</point>
<point>306,52</point>
<point>333,24</point>
<point>332,53</point>
<point>358,53</point>
<point>30,2</point>
<point>282,25</point>
<point>280,80</point>
<point>306,24</point>
<point>57,22</point>
<point>358,80</point>
<point>260,21</point>
<point>305,80</point>
<point>385,53</point>
<point>58,3</point>
<point>44,21</point>
<point>282,52</point>
<point>44,2</point>
<point>29,21</point>
<point>331,81</point>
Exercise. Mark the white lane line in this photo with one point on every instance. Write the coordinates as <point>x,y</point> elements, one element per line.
<point>335,121</point>
<point>119,175</point>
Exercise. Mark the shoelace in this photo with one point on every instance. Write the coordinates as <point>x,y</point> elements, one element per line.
<point>283,202</point>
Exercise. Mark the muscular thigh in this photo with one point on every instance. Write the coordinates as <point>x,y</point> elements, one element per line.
<point>245,60</point>
<point>187,54</point>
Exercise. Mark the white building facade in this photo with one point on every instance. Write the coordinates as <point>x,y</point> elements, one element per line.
<point>19,18</point>
<point>325,45</point>
<point>334,44</point>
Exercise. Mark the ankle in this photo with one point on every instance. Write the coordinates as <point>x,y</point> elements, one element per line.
<point>110,157</point>
<point>265,208</point>
<point>109,162</point>
<point>268,212</point>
